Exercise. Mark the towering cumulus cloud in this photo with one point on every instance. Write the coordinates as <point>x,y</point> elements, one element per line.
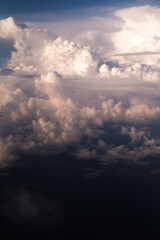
<point>84,98</point>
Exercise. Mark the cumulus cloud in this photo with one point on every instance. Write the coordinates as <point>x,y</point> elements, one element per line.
<point>136,36</point>
<point>148,73</point>
<point>58,93</point>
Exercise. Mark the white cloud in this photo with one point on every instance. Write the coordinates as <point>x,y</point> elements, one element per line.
<point>140,32</point>
<point>148,73</point>
<point>8,29</point>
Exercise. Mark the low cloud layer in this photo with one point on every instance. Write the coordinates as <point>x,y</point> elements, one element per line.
<point>33,210</point>
<point>57,93</point>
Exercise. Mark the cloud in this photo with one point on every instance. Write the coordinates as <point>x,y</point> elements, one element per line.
<point>142,72</point>
<point>59,94</point>
<point>134,33</point>
<point>21,207</point>
<point>136,136</point>
<point>68,58</point>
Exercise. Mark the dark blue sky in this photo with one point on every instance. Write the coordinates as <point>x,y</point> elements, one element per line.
<point>21,6</point>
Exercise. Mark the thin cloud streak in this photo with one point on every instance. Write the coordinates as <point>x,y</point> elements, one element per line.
<point>136,54</point>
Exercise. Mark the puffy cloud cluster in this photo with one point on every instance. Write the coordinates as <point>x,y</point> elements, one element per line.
<point>38,51</point>
<point>68,58</point>
<point>149,73</point>
<point>56,93</point>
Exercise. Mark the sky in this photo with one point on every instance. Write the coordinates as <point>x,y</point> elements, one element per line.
<point>79,119</point>
<point>19,6</point>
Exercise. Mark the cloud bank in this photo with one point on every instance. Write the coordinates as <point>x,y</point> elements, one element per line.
<point>62,95</point>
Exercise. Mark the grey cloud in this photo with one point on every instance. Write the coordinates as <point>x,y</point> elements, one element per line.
<point>19,205</point>
<point>6,71</point>
<point>137,53</point>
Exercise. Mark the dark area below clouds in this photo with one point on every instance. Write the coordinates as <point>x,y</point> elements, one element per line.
<point>60,197</point>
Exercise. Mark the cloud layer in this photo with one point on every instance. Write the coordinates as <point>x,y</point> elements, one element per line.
<point>58,93</point>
